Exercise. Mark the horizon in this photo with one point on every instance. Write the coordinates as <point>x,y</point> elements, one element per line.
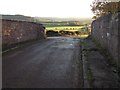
<point>47,16</point>
<point>48,8</point>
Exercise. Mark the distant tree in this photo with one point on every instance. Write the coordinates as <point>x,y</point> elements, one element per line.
<point>61,31</point>
<point>77,32</point>
<point>52,33</point>
<point>104,8</point>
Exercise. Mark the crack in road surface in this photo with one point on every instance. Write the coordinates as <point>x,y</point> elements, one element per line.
<point>50,64</point>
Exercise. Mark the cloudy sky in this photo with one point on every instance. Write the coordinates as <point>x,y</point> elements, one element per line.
<point>47,8</point>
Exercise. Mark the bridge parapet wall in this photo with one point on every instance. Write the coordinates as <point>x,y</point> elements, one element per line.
<point>14,32</point>
<point>106,31</point>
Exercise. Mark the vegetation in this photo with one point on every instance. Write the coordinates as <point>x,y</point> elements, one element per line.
<point>52,33</point>
<point>66,28</point>
<point>104,8</point>
<point>67,31</point>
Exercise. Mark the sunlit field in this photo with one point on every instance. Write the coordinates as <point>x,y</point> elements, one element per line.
<point>65,28</point>
<point>68,31</point>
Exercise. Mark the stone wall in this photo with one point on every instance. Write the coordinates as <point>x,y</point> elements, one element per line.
<point>14,32</point>
<point>106,31</point>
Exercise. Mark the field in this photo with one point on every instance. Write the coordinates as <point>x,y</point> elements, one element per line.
<point>65,28</point>
<point>71,31</point>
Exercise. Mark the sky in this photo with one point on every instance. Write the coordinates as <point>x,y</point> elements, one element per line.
<point>47,8</point>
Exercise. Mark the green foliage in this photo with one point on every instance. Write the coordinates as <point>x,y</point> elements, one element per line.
<point>104,8</point>
<point>52,33</point>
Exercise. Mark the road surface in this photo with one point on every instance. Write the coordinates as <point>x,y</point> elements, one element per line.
<point>45,64</point>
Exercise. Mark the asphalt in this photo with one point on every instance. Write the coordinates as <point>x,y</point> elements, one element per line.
<point>52,63</point>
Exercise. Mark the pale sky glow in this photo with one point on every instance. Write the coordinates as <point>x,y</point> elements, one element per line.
<point>47,8</point>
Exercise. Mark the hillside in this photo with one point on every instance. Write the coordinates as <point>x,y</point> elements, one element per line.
<point>57,19</point>
<point>17,17</point>
<point>46,19</point>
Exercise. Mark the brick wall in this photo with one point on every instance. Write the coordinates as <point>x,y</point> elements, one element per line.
<point>14,32</point>
<point>106,31</point>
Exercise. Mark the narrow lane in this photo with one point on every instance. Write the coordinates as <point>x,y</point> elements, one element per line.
<point>50,64</point>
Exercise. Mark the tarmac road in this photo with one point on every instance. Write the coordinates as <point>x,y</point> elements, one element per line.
<point>47,64</point>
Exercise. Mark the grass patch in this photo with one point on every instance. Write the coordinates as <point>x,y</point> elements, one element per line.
<point>88,71</point>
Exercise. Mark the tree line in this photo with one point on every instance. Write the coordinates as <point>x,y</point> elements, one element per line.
<point>64,33</point>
